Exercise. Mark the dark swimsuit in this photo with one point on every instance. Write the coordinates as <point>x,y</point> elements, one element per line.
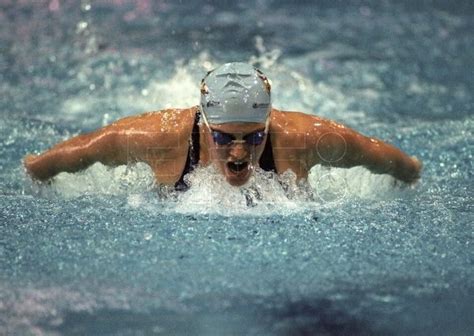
<point>266,162</point>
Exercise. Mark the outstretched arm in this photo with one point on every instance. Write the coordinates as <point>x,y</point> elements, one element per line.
<point>340,146</point>
<point>157,138</point>
<point>376,155</point>
<point>301,141</point>
<point>76,154</point>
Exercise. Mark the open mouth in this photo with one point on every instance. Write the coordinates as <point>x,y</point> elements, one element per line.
<point>237,167</point>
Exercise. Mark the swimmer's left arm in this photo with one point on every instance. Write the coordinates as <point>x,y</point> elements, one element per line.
<point>340,146</point>
<point>381,158</point>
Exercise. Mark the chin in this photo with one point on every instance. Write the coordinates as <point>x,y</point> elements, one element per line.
<point>236,182</point>
<point>239,179</point>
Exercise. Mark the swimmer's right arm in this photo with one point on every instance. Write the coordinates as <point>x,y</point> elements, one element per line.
<point>77,154</point>
<point>157,138</point>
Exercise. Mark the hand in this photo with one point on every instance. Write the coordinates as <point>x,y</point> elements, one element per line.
<point>29,163</point>
<point>418,166</point>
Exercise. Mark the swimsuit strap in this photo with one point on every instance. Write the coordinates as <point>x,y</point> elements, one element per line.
<point>267,162</point>
<point>193,154</point>
<point>195,147</point>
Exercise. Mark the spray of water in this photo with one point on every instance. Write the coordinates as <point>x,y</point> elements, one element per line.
<point>265,194</point>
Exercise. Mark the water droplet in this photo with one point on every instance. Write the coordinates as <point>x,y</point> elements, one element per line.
<point>81,26</point>
<point>147,236</point>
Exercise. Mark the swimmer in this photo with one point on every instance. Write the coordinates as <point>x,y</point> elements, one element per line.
<point>235,128</point>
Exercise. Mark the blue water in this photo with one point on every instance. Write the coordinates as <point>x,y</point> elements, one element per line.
<point>105,251</point>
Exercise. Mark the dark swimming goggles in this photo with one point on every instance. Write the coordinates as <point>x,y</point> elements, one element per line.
<point>252,139</point>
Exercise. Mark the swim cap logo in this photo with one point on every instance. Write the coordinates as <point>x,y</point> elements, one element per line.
<point>261,105</point>
<point>211,103</point>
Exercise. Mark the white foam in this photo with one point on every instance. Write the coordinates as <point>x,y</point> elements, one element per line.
<point>340,184</point>
<point>265,194</point>
<point>268,194</point>
<point>180,90</point>
<point>100,179</point>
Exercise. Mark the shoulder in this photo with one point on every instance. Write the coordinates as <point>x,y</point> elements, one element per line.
<point>301,132</point>
<point>169,124</point>
<point>164,120</point>
<point>287,127</point>
<point>298,123</point>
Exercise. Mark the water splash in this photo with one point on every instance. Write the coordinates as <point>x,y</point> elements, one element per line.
<point>265,194</point>
<point>97,180</point>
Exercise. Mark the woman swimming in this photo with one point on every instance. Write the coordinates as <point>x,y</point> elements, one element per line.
<point>234,128</point>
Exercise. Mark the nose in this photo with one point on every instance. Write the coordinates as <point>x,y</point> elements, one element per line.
<point>238,151</point>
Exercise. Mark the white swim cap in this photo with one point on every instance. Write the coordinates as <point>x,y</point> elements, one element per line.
<point>235,92</point>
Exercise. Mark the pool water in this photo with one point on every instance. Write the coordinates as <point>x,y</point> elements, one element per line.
<point>105,251</point>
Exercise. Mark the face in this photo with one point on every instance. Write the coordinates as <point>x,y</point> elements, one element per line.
<point>236,159</point>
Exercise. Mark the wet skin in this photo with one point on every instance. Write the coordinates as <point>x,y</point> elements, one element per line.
<point>161,139</point>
